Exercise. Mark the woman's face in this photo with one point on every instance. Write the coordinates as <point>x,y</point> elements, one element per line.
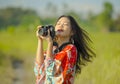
<point>63,27</point>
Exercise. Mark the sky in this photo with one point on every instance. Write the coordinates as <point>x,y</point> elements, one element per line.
<point>83,6</point>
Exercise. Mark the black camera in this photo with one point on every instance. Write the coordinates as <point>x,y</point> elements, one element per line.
<point>44,31</point>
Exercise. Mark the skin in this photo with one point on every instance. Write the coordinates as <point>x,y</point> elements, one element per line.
<point>63,32</point>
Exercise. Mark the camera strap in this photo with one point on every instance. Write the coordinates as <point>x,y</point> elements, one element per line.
<point>58,49</point>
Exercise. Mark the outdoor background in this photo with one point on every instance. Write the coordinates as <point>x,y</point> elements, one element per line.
<point>18,42</point>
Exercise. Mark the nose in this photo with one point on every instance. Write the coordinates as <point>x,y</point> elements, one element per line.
<point>61,25</point>
<point>58,27</point>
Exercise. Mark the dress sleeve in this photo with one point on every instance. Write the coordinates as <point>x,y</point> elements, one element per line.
<point>70,63</point>
<point>52,70</point>
<point>44,71</point>
<point>37,68</point>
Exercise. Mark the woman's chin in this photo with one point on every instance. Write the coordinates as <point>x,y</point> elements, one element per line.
<point>59,34</point>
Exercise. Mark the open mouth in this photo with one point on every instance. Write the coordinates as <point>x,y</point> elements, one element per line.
<point>59,30</point>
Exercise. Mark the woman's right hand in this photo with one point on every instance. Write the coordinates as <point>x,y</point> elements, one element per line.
<point>37,34</point>
<point>48,38</point>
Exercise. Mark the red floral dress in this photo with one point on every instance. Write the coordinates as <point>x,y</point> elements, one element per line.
<point>60,70</point>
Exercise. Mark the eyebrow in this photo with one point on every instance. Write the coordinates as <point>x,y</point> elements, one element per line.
<point>63,22</point>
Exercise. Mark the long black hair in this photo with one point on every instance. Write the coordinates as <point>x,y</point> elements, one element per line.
<point>81,41</point>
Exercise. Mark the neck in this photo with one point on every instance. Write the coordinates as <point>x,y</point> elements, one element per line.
<point>62,40</point>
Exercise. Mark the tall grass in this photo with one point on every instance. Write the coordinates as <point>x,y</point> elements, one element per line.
<point>105,67</point>
<point>22,45</point>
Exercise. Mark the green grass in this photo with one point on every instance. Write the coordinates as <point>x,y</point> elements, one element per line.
<point>105,68</point>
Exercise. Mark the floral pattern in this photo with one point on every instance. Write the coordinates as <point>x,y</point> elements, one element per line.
<point>60,70</point>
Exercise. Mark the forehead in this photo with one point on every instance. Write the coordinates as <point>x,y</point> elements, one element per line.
<point>64,19</point>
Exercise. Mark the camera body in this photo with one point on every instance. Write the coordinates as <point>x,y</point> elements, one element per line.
<point>44,31</point>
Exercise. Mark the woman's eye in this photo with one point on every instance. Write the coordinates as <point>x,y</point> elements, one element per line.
<point>58,23</point>
<point>65,24</point>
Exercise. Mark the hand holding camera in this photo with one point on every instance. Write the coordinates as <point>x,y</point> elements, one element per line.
<point>46,32</point>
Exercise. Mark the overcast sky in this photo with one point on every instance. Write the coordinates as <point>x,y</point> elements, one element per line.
<point>82,6</point>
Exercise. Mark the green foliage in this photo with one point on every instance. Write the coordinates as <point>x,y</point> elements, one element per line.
<point>117,24</point>
<point>18,17</point>
<point>104,19</point>
<point>2,57</point>
<point>28,20</point>
<point>105,67</point>
<point>22,46</point>
<point>18,42</point>
<point>107,14</point>
<point>11,29</point>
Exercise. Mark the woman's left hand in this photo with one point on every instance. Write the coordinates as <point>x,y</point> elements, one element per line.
<point>48,38</point>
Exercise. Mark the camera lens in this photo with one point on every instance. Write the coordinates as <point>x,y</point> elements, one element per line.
<point>43,31</point>
<point>40,31</point>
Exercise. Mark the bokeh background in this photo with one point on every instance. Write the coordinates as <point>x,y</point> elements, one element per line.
<point>18,42</point>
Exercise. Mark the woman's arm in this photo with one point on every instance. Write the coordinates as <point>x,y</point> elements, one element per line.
<point>39,54</point>
<point>49,53</point>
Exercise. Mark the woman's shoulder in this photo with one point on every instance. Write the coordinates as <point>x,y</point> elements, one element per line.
<point>69,47</point>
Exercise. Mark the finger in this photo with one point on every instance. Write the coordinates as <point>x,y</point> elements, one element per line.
<point>38,27</point>
<point>43,37</point>
<point>48,32</point>
<point>37,33</point>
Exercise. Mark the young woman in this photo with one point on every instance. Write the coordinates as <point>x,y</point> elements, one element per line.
<point>59,65</point>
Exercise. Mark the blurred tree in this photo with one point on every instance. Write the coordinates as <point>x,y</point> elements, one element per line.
<point>117,24</point>
<point>18,17</point>
<point>104,19</point>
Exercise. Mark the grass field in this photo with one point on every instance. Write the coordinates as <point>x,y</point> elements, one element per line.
<point>105,67</point>
<point>21,46</point>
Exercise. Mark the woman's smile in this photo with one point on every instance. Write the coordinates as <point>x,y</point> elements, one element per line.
<point>60,30</point>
